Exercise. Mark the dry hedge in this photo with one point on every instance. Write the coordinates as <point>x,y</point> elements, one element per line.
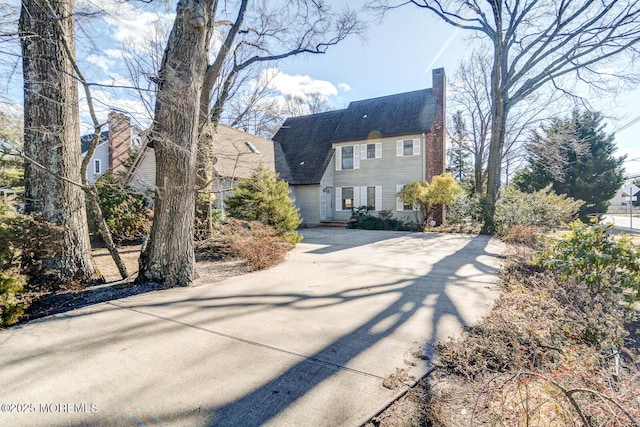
<point>550,353</point>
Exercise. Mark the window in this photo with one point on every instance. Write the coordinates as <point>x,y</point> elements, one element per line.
<point>400,204</point>
<point>355,197</point>
<point>347,157</point>
<point>371,151</point>
<point>96,167</point>
<point>371,197</point>
<point>407,147</point>
<point>347,198</point>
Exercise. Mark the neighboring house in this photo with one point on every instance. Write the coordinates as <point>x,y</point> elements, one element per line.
<point>621,203</point>
<point>114,146</point>
<point>363,155</point>
<point>236,155</point>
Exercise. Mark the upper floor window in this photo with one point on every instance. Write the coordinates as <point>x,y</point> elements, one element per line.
<point>371,151</point>
<point>347,157</point>
<point>96,167</point>
<point>407,147</point>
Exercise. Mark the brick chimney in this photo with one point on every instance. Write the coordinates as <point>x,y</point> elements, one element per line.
<point>119,141</point>
<point>435,151</point>
<point>439,126</point>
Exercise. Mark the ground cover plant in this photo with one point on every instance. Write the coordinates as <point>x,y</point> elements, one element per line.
<point>552,351</point>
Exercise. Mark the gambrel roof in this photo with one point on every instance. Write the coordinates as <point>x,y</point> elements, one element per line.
<point>306,141</point>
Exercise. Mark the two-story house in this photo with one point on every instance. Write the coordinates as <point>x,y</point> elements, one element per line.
<point>364,154</point>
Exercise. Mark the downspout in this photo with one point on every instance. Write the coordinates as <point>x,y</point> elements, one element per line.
<point>423,143</point>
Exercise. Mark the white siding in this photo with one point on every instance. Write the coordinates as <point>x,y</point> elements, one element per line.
<point>386,173</point>
<point>145,176</point>
<point>308,201</point>
<point>101,154</point>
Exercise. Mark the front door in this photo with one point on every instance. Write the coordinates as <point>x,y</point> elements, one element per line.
<point>329,199</point>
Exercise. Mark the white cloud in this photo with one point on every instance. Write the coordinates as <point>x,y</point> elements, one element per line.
<point>101,61</point>
<point>104,101</point>
<point>344,87</point>
<point>114,53</point>
<point>301,86</point>
<point>135,26</point>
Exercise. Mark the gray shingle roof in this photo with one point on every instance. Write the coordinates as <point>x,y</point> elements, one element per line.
<point>399,114</point>
<point>306,141</point>
<point>85,140</point>
<point>306,145</point>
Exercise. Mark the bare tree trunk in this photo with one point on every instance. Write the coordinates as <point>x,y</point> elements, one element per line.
<point>52,138</point>
<point>208,129</point>
<point>168,256</point>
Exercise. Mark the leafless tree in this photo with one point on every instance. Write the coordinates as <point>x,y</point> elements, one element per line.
<point>537,43</point>
<point>168,256</point>
<point>471,97</point>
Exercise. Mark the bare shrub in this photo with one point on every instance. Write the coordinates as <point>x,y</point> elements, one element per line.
<point>259,245</point>
<point>550,352</point>
<point>519,234</point>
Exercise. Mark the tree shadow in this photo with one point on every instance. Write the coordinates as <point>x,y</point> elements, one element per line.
<point>439,292</point>
<point>269,400</point>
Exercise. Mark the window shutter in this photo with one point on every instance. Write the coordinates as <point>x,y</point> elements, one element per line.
<point>399,203</point>
<point>378,200</point>
<point>356,156</point>
<point>378,150</point>
<point>356,198</point>
<point>399,148</point>
<point>338,158</point>
<point>416,147</point>
<point>363,196</point>
<point>363,151</point>
<point>338,198</point>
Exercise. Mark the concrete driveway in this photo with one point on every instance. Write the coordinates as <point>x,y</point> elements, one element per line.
<point>309,342</point>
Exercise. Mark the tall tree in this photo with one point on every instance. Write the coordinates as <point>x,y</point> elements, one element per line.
<point>180,132</point>
<point>51,137</point>
<point>168,256</point>
<point>459,149</point>
<point>259,34</point>
<point>473,100</point>
<point>575,155</point>
<point>536,43</point>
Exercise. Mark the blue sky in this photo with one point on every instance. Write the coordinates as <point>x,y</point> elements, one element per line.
<point>396,55</point>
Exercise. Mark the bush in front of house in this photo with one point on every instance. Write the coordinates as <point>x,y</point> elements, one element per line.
<point>124,209</point>
<point>259,245</point>
<point>262,197</point>
<point>363,219</point>
<point>543,210</point>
